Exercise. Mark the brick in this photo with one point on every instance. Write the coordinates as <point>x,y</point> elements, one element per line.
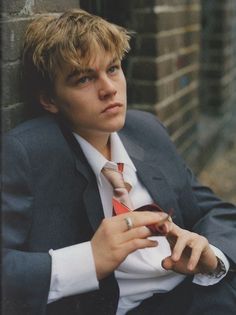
<point>158,46</point>
<point>184,80</point>
<point>213,105</point>
<point>176,105</point>
<point>54,6</point>
<point>151,22</point>
<point>190,150</point>
<point>187,59</point>
<point>11,6</point>
<point>144,70</point>
<point>184,134</point>
<point>171,87</point>
<point>216,74</point>
<point>144,3</point>
<point>214,56</point>
<point>11,84</point>
<point>147,46</point>
<point>140,92</point>
<point>12,38</point>
<point>151,3</point>
<point>150,45</point>
<point>186,114</point>
<point>186,17</point>
<point>145,22</point>
<point>211,26</point>
<point>167,111</point>
<point>166,89</point>
<point>152,69</point>
<point>218,94</point>
<point>27,7</point>
<point>210,6</point>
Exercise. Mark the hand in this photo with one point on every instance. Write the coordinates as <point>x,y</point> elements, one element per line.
<point>113,242</point>
<point>191,252</point>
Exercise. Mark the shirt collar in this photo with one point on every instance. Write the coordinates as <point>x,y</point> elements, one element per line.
<point>97,161</point>
<point>118,151</point>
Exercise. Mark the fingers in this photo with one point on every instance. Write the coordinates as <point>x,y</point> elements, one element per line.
<point>144,218</point>
<point>198,245</point>
<point>135,244</point>
<point>168,263</point>
<point>126,235</point>
<point>187,247</point>
<point>113,241</point>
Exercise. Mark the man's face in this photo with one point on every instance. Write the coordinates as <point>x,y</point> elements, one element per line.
<point>93,99</point>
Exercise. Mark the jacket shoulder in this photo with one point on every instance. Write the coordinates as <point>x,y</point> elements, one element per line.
<point>36,125</point>
<point>38,132</point>
<point>144,124</point>
<point>39,138</point>
<point>139,115</point>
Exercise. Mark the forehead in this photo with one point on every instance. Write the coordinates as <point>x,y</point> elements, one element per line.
<point>99,60</point>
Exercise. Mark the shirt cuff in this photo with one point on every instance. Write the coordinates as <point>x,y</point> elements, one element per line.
<point>204,279</point>
<point>73,271</point>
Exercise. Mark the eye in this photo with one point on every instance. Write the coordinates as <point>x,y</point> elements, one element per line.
<point>84,80</point>
<point>113,69</point>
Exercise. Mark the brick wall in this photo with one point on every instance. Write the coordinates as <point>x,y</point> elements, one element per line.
<point>15,16</point>
<point>217,75</point>
<point>163,71</point>
<point>183,68</point>
<point>218,60</point>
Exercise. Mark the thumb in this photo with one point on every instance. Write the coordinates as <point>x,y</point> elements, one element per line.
<point>167,263</point>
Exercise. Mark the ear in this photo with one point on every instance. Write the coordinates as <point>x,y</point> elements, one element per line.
<point>48,103</point>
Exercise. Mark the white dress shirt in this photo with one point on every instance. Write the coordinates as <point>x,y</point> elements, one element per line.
<point>141,274</point>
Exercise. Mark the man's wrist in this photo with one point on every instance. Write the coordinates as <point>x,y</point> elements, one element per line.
<point>220,269</point>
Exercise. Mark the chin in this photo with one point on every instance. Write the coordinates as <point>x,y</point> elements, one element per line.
<point>119,124</point>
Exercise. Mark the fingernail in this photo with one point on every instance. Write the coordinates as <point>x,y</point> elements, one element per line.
<point>190,267</point>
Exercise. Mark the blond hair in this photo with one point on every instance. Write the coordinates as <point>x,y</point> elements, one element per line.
<point>70,38</point>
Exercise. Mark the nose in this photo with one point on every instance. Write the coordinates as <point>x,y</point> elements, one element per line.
<point>106,87</point>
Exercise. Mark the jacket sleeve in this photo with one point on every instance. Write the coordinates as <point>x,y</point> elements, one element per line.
<point>218,219</point>
<point>25,274</point>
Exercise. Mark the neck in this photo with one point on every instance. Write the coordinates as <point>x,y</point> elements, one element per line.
<point>101,143</point>
<point>104,148</point>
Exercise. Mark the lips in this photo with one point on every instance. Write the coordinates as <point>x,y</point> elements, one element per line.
<point>111,106</point>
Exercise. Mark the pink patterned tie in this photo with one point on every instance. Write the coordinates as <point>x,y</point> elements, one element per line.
<point>120,188</point>
<point>122,203</point>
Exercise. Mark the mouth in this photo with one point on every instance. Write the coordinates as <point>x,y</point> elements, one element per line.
<point>112,108</point>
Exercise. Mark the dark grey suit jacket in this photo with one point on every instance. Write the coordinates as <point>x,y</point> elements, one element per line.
<point>51,200</point>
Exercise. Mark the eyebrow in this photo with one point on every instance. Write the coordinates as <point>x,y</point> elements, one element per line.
<point>79,71</point>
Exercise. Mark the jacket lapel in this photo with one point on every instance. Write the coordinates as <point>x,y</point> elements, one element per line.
<point>151,176</point>
<point>91,196</point>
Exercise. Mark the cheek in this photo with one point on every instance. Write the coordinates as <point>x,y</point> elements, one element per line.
<point>71,102</point>
<point>124,85</point>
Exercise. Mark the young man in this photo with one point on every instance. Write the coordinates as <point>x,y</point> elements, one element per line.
<point>62,256</point>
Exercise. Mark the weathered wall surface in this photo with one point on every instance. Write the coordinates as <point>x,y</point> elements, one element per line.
<point>15,17</point>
